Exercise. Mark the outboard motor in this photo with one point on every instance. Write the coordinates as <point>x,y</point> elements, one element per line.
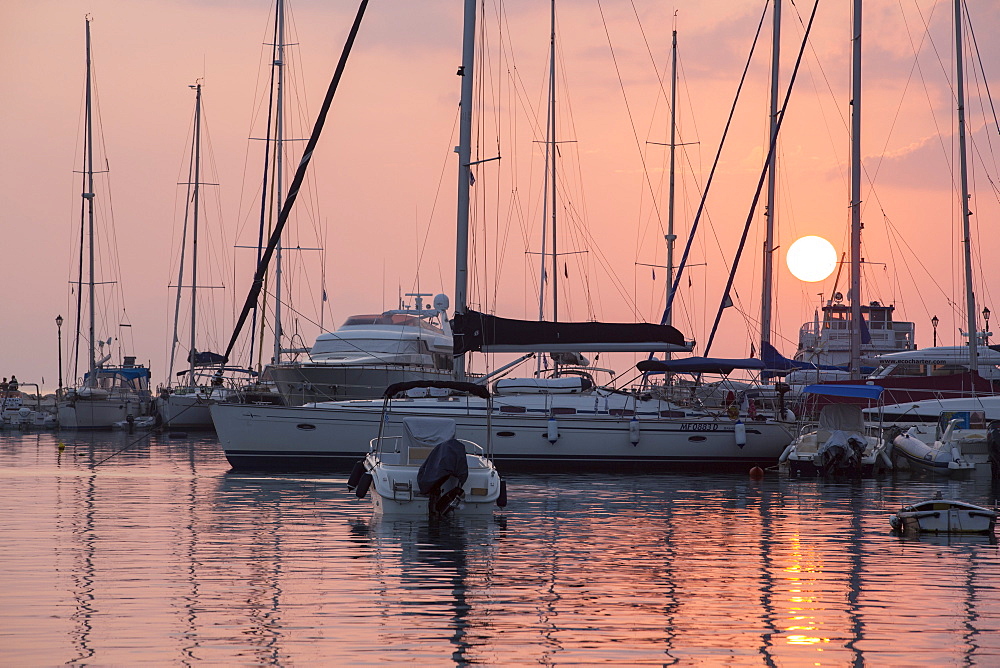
<point>442,475</point>
<point>993,446</point>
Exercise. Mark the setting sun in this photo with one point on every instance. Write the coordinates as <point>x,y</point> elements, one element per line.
<point>811,259</point>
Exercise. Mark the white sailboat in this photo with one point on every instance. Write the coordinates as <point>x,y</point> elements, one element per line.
<point>564,423</point>
<point>186,404</point>
<point>108,393</point>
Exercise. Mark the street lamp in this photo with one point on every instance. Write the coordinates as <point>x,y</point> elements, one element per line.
<point>59,322</point>
<point>986,316</point>
<point>934,324</point>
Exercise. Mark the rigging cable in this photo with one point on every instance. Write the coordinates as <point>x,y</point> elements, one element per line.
<point>763,176</point>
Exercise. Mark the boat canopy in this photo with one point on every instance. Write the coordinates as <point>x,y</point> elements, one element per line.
<point>458,386</point>
<point>857,391</point>
<point>474,331</point>
<point>776,362</point>
<point>700,365</point>
<point>129,373</point>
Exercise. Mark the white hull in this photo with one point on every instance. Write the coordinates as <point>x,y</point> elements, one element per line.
<point>930,409</point>
<point>944,516</point>
<point>185,410</point>
<point>100,413</point>
<point>330,436</point>
<point>393,489</point>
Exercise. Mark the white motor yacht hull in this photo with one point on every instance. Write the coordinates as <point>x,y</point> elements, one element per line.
<point>309,382</point>
<point>326,437</point>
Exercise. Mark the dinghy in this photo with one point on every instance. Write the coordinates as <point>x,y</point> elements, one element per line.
<point>940,515</point>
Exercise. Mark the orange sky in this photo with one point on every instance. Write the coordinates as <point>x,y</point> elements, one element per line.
<point>384,174</point>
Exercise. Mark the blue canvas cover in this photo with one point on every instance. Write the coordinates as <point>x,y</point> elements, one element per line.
<point>445,460</point>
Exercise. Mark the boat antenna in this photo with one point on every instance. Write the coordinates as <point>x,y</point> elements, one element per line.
<point>293,189</point>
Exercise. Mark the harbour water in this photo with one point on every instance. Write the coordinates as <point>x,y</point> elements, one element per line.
<point>125,549</point>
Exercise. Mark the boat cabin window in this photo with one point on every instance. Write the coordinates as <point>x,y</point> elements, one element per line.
<point>396,319</point>
<point>946,369</point>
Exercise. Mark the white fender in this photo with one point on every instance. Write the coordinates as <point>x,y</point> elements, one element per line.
<point>740,432</point>
<point>633,431</point>
<point>784,453</point>
<point>552,432</point>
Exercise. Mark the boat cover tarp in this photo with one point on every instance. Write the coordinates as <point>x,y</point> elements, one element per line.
<point>700,365</point>
<point>775,361</point>
<point>842,417</point>
<point>857,391</point>
<point>206,358</point>
<point>474,331</point>
<point>445,460</point>
<point>471,388</point>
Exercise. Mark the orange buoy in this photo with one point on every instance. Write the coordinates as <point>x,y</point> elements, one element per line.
<point>756,473</point>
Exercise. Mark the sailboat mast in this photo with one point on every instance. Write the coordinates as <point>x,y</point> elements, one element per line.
<point>552,162</point>
<point>464,150</point>
<point>855,292</point>
<point>194,227</point>
<point>279,136</point>
<point>970,297</point>
<point>89,196</point>
<point>770,213</point>
<point>671,236</point>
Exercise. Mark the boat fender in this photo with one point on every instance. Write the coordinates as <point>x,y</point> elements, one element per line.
<point>363,484</point>
<point>956,453</point>
<point>784,453</point>
<point>886,459</point>
<point>789,415</point>
<point>740,433</point>
<point>356,473</point>
<point>502,497</point>
<point>633,431</point>
<point>552,431</point>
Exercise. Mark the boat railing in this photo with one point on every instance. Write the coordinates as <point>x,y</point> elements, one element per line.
<point>393,445</point>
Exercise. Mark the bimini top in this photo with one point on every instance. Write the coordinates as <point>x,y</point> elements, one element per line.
<point>128,372</point>
<point>470,388</point>
<point>474,331</point>
<point>700,365</point>
<point>857,391</point>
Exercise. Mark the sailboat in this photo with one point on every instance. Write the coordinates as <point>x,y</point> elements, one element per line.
<point>108,393</point>
<point>186,404</point>
<point>548,424</point>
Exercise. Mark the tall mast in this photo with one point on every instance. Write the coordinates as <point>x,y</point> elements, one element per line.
<point>194,227</point>
<point>279,136</point>
<point>770,213</point>
<point>89,196</point>
<point>552,161</point>
<point>671,236</point>
<point>970,297</point>
<point>464,150</point>
<point>855,292</point>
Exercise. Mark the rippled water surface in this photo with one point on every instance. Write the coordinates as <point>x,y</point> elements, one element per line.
<point>124,549</point>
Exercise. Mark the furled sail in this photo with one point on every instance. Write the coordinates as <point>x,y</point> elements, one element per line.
<point>480,332</point>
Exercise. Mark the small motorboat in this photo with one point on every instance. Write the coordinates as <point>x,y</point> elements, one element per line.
<point>940,515</point>
<point>943,450</point>
<point>425,469</point>
<point>840,444</point>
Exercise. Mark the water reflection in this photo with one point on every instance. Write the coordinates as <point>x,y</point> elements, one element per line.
<point>120,550</point>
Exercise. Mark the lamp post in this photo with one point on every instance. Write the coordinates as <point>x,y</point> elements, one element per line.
<point>59,322</point>
<point>986,316</point>
<point>934,324</point>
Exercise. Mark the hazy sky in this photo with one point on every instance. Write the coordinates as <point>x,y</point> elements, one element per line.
<point>382,196</point>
